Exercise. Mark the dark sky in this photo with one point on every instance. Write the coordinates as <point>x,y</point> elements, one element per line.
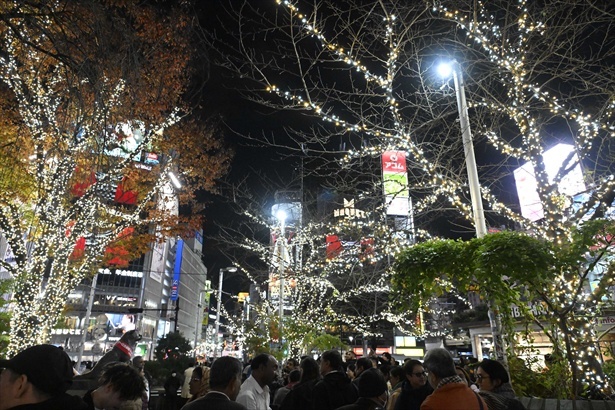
<point>251,159</point>
<point>221,96</point>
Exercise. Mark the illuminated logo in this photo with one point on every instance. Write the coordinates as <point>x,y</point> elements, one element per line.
<point>349,211</point>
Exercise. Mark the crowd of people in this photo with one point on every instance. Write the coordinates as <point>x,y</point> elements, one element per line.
<point>39,377</point>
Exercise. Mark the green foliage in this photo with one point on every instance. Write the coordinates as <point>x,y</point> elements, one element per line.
<point>299,338</point>
<point>493,264</point>
<point>514,268</point>
<point>551,382</point>
<point>172,352</point>
<point>609,370</point>
<point>261,334</point>
<point>5,316</point>
<point>419,268</point>
<point>322,342</point>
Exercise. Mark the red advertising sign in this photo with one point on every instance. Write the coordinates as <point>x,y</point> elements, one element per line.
<point>393,162</point>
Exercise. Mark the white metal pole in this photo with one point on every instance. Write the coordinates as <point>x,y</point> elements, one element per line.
<point>220,280</point>
<point>468,148</point>
<point>282,241</point>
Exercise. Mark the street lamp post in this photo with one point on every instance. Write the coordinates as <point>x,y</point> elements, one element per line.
<point>468,146</point>
<point>281,215</point>
<point>446,69</point>
<point>220,281</point>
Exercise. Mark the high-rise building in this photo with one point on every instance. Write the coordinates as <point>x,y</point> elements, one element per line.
<point>144,297</point>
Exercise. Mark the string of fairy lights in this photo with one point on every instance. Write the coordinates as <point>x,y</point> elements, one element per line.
<point>42,231</point>
<point>570,288</point>
<point>483,33</point>
<point>401,140</point>
<point>316,293</point>
<point>39,102</point>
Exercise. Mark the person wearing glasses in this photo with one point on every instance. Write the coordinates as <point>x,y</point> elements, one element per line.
<point>495,388</point>
<point>198,385</point>
<point>414,389</point>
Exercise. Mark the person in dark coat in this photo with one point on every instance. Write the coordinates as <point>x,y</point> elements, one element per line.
<point>300,396</point>
<point>37,379</point>
<point>293,379</point>
<point>170,400</point>
<point>224,383</point>
<point>361,365</point>
<point>335,389</point>
<point>415,389</point>
<point>372,392</point>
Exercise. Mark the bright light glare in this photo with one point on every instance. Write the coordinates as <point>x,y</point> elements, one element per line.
<point>281,215</point>
<point>445,70</point>
<point>174,180</point>
<point>231,269</point>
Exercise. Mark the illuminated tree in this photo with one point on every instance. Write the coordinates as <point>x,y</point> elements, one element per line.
<point>93,122</point>
<point>537,74</point>
<point>546,285</point>
<point>339,287</point>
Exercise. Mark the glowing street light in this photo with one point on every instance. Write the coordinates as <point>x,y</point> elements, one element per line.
<point>445,69</point>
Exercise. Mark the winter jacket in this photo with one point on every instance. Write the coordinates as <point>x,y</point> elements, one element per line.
<point>454,396</point>
<point>411,399</point>
<point>393,396</point>
<point>300,397</point>
<point>333,391</point>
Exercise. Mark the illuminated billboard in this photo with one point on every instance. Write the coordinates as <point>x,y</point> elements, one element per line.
<point>527,188</point>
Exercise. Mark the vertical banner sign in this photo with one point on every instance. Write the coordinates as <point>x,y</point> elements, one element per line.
<point>205,322</point>
<point>395,181</point>
<point>177,270</point>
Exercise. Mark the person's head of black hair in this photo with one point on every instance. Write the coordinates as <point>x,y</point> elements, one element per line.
<point>260,360</point>
<point>309,369</point>
<point>294,375</point>
<point>124,379</point>
<point>495,370</point>
<point>364,363</point>
<point>333,357</point>
<point>223,370</point>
